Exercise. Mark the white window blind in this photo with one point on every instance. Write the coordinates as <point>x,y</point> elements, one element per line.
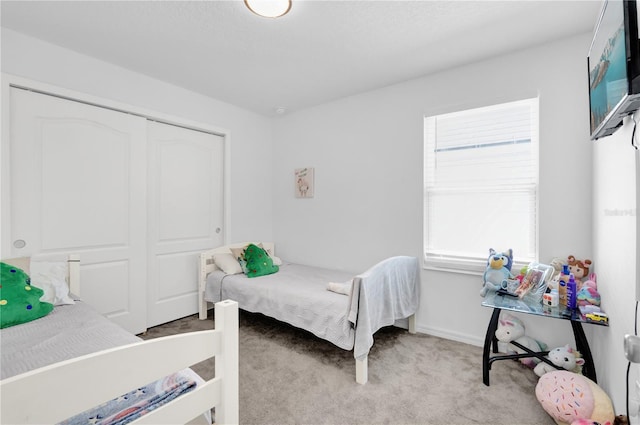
<point>480,180</point>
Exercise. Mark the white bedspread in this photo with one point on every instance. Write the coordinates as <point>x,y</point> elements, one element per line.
<point>68,331</point>
<point>298,295</point>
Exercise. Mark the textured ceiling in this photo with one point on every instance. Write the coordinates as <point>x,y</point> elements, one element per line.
<point>320,51</point>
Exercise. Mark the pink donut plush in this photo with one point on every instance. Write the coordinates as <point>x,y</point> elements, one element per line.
<point>568,397</point>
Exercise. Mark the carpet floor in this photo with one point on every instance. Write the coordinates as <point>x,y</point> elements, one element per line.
<point>288,376</point>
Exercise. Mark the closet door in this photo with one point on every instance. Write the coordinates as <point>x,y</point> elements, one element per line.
<point>186,169</point>
<point>78,185</point>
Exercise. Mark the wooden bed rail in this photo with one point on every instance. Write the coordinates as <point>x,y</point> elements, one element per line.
<point>56,392</point>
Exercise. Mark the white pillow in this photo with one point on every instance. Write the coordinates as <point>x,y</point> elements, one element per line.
<point>51,278</point>
<point>227,263</point>
<point>276,260</point>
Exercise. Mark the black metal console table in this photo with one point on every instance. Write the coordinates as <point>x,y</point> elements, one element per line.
<point>501,302</point>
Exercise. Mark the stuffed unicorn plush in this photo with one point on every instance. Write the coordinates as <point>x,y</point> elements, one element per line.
<point>510,329</point>
<point>564,357</point>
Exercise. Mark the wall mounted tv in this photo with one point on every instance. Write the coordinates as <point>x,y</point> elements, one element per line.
<point>614,67</point>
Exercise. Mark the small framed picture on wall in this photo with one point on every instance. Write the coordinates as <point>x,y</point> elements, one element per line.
<point>304,182</point>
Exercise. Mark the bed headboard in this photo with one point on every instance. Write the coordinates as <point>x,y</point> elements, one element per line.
<point>207,266</point>
<point>206,258</point>
<point>73,270</point>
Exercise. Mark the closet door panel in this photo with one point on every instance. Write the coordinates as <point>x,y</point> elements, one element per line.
<point>78,186</point>
<point>84,174</point>
<point>185,215</point>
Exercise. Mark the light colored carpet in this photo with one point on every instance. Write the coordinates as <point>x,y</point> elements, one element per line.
<point>288,376</point>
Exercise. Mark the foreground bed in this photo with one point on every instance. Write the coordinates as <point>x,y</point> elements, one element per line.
<point>73,360</point>
<point>298,295</point>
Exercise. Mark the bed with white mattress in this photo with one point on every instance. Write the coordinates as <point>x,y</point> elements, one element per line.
<point>298,295</point>
<point>74,366</point>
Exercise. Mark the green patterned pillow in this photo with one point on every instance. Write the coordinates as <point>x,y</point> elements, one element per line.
<point>19,301</point>
<point>258,262</point>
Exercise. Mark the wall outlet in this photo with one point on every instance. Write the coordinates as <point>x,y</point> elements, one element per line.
<point>632,348</point>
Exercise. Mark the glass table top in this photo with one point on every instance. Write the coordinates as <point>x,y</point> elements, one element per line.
<point>510,303</point>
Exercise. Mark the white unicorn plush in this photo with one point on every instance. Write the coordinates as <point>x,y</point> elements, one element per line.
<point>510,329</point>
<point>564,357</point>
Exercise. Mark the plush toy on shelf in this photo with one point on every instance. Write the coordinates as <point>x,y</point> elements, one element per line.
<point>564,357</point>
<point>511,329</point>
<point>588,293</point>
<point>579,268</point>
<point>498,271</point>
<point>554,280</point>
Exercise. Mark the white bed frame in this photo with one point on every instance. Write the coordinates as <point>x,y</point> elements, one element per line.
<point>207,266</point>
<point>57,392</point>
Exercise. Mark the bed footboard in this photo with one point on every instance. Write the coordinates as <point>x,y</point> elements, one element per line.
<point>54,393</point>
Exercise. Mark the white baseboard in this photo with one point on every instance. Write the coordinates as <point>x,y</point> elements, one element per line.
<point>454,336</point>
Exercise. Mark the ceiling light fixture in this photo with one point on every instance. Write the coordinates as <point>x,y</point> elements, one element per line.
<point>269,8</point>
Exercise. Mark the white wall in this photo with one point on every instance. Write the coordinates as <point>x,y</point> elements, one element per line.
<point>615,255</point>
<point>367,152</point>
<point>251,134</point>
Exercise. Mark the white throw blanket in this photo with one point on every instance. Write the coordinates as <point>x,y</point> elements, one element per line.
<point>389,291</point>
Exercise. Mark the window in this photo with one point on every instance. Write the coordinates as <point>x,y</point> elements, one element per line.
<point>480,185</point>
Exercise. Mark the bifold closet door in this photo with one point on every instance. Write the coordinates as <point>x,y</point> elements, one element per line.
<point>78,186</point>
<point>186,169</point>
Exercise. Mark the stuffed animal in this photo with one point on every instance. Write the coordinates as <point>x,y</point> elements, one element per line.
<point>588,293</point>
<point>498,271</point>
<point>579,268</point>
<point>568,397</point>
<point>564,357</point>
<point>511,329</point>
<point>554,280</point>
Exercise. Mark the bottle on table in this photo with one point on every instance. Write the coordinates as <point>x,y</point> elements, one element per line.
<point>572,293</point>
<point>562,285</point>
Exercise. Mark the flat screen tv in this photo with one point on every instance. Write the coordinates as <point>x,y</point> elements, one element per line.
<point>614,67</point>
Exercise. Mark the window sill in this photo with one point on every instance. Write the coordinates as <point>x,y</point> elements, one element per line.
<point>468,267</point>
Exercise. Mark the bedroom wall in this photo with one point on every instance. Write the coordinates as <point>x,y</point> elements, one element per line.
<point>251,134</point>
<point>615,255</point>
<point>367,152</point>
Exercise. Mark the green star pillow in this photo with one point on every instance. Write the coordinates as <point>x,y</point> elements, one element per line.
<point>19,301</point>
<point>258,261</point>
